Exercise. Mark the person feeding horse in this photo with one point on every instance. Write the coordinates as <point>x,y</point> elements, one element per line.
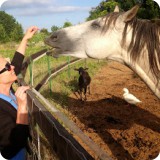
<point>118,36</point>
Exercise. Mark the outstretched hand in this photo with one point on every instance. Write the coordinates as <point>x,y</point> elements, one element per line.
<point>30,32</point>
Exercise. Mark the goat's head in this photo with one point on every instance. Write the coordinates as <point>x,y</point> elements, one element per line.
<point>81,70</point>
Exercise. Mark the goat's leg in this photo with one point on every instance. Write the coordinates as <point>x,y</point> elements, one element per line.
<point>85,96</point>
<point>89,89</point>
<point>76,95</point>
<point>80,93</point>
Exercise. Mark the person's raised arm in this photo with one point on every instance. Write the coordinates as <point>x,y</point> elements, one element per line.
<point>28,35</point>
<point>19,54</point>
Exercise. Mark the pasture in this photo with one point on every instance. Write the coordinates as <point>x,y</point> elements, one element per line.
<point>124,132</point>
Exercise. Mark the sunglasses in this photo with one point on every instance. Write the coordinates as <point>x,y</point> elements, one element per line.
<point>7,68</point>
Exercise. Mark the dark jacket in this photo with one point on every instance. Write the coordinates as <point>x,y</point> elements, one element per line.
<point>13,137</point>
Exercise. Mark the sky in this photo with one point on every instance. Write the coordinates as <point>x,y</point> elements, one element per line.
<point>47,13</point>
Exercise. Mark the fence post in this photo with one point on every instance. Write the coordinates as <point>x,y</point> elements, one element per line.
<point>31,71</point>
<point>49,72</point>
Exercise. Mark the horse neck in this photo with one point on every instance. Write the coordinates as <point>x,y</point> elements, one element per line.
<point>145,74</point>
<point>141,68</point>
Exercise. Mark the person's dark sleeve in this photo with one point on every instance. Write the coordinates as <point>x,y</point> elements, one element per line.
<point>13,137</point>
<point>18,140</point>
<point>7,123</point>
<point>17,62</point>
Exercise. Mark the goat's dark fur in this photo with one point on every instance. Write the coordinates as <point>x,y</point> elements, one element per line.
<point>83,82</point>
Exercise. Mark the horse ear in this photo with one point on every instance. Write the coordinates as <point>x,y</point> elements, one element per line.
<point>130,14</point>
<point>116,9</point>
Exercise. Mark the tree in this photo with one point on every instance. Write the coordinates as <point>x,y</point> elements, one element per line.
<point>12,28</point>
<point>3,36</point>
<point>148,10</point>
<point>54,28</point>
<point>17,33</point>
<point>102,9</point>
<point>67,24</point>
<point>44,31</point>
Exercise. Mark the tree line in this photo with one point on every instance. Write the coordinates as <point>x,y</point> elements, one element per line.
<point>148,8</point>
<point>11,30</point>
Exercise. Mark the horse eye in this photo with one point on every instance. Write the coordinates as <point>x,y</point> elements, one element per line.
<point>95,25</point>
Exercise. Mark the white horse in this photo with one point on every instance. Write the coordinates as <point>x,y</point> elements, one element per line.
<point>118,36</point>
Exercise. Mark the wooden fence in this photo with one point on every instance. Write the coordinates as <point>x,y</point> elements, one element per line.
<point>62,142</point>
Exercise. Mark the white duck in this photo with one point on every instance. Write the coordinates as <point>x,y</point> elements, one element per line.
<point>130,98</point>
<point>157,158</point>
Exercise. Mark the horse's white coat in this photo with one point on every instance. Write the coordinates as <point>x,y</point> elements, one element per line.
<point>89,40</point>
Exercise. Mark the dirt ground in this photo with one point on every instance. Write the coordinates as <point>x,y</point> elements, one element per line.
<point>125,132</point>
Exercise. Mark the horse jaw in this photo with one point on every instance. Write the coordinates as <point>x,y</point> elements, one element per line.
<point>79,54</point>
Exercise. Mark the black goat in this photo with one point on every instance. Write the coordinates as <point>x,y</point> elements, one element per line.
<point>83,82</point>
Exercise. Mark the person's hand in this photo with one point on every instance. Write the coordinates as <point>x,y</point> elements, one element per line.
<point>22,111</point>
<point>21,97</point>
<point>30,32</point>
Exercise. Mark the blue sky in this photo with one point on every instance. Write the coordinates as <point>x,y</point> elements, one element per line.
<point>46,13</point>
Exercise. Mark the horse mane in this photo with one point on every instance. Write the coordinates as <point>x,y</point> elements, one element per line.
<point>145,33</point>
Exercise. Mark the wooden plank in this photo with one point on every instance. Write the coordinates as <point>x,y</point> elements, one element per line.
<point>33,57</point>
<point>65,146</point>
<point>74,129</point>
<point>61,141</point>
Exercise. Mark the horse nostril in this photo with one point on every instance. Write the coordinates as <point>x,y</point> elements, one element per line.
<point>54,37</point>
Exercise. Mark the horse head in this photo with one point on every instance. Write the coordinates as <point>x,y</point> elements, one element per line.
<point>100,38</point>
<point>118,36</point>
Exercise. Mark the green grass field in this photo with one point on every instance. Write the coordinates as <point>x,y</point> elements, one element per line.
<point>59,87</point>
<point>64,83</point>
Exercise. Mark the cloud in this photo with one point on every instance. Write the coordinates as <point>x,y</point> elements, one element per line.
<point>10,4</point>
<point>2,2</point>
<point>39,7</point>
<point>48,10</point>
